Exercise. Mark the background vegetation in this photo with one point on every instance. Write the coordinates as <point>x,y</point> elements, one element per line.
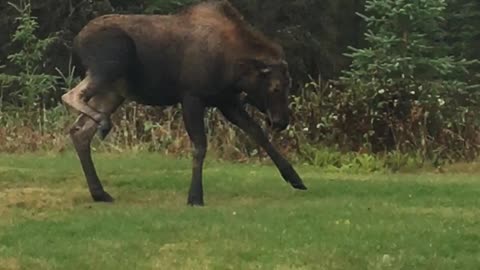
<point>379,83</point>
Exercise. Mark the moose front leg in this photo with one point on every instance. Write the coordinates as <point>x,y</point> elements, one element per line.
<point>193,117</point>
<point>236,114</point>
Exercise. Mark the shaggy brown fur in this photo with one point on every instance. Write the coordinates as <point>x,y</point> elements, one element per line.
<point>206,55</point>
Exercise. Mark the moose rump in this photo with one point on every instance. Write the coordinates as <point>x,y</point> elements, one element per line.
<point>204,56</point>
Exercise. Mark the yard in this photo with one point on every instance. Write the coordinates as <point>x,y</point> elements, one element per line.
<point>252,219</point>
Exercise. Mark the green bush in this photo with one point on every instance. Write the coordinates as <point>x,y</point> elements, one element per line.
<point>407,87</point>
<point>28,88</point>
<point>30,82</point>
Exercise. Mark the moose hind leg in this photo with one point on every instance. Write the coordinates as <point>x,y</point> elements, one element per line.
<point>108,56</point>
<point>82,133</point>
<point>78,98</point>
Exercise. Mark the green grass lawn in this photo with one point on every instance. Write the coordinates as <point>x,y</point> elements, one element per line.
<point>252,220</point>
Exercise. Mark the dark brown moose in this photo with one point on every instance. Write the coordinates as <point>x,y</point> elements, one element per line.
<point>207,55</point>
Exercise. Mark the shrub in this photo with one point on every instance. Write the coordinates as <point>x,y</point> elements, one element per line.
<point>30,82</point>
<point>406,88</point>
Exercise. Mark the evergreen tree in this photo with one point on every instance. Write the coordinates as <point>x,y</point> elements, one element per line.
<point>407,76</point>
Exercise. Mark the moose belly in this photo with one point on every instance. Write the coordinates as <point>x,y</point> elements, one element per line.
<point>156,95</point>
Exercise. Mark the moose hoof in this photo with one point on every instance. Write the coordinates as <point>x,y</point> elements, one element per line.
<point>104,127</point>
<point>291,176</point>
<point>195,202</point>
<point>299,185</point>
<point>102,197</point>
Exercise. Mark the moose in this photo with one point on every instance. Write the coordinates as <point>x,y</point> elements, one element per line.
<point>205,55</point>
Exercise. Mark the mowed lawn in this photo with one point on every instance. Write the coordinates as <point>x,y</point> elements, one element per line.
<point>252,220</point>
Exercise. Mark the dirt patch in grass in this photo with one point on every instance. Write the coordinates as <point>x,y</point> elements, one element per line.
<point>39,201</point>
<point>9,264</point>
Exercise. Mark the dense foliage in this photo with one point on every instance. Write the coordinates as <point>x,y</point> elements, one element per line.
<point>401,79</point>
<point>408,85</point>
